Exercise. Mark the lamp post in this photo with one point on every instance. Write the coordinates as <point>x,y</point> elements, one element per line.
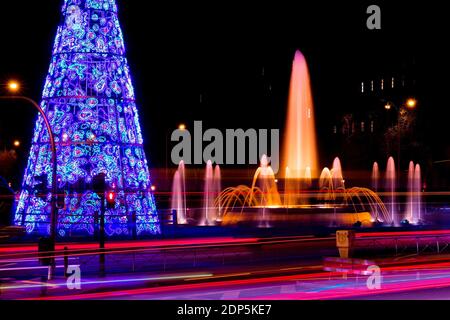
<point>14,87</point>
<point>181,127</point>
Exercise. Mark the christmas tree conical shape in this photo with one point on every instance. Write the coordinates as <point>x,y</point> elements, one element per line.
<point>89,100</point>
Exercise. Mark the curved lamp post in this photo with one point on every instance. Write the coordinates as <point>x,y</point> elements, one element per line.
<point>14,87</point>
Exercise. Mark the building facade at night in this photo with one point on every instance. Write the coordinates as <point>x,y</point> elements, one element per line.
<point>89,99</point>
<point>378,122</point>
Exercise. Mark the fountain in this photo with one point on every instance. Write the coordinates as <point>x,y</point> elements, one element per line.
<point>262,194</point>
<point>300,152</point>
<point>261,204</point>
<point>375,179</point>
<point>417,195</point>
<point>178,201</point>
<point>326,186</point>
<point>265,179</point>
<point>414,202</point>
<point>217,188</point>
<point>363,197</point>
<point>337,175</point>
<point>375,176</point>
<point>209,210</point>
<point>331,181</point>
<point>411,196</point>
<point>390,188</point>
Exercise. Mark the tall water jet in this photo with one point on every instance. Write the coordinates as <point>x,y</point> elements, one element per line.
<point>410,202</point>
<point>375,177</point>
<point>178,201</point>
<point>418,194</point>
<point>375,183</point>
<point>326,186</point>
<point>269,191</point>
<point>300,150</point>
<point>390,188</point>
<point>337,175</point>
<point>217,189</point>
<point>208,196</point>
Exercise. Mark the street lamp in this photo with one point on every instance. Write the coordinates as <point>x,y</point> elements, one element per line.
<point>16,143</point>
<point>14,87</point>
<point>181,127</point>
<point>411,103</point>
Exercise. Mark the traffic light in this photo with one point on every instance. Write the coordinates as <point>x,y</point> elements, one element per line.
<point>99,184</point>
<point>60,196</point>
<point>111,199</point>
<point>60,200</point>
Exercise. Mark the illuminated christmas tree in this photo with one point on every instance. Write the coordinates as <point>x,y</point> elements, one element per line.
<point>89,100</point>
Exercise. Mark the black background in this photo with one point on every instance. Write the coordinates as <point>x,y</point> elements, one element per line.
<point>179,50</point>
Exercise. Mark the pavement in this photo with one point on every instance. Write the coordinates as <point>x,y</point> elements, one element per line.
<point>225,268</point>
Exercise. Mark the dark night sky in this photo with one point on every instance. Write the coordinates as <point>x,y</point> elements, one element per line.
<point>179,50</point>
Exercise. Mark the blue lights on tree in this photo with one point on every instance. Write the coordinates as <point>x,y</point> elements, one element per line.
<point>89,100</point>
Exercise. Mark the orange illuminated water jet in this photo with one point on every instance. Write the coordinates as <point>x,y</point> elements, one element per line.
<point>300,149</point>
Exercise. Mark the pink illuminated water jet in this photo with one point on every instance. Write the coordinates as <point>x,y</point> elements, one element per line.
<point>410,198</point>
<point>414,202</point>
<point>417,194</point>
<point>390,188</point>
<point>375,176</point>
<point>337,175</point>
<point>217,188</point>
<point>208,196</point>
<point>178,201</point>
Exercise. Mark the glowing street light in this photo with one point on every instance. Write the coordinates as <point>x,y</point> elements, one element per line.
<point>16,143</point>
<point>182,127</point>
<point>388,106</point>
<point>13,86</point>
<point>411,103</point>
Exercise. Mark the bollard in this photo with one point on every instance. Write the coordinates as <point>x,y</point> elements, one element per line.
<point>344,242</point>
<point>102,262</point>
<point>66,261</point>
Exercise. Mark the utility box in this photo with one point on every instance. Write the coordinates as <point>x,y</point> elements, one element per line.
<point>344,242</point>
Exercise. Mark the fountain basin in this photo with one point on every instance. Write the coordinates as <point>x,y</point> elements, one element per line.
<point>313,216</point>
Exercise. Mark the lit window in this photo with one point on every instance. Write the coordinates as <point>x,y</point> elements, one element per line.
<point>363,126</point>
<point>382,84</point>
<point>371,126</point>
<point>335,129</point>
<point>362,87</point>
<point>371,85</point>
<point>392,82</point>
